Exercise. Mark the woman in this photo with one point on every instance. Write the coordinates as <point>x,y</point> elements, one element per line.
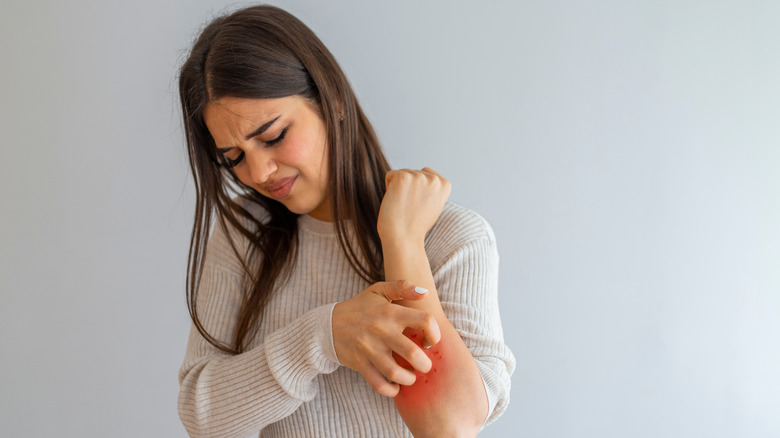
<point>335,296</point>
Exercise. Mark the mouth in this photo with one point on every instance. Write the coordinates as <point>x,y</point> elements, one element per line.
<point>281,188</point>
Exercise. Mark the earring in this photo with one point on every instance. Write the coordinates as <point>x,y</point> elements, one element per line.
<point>341,117</point>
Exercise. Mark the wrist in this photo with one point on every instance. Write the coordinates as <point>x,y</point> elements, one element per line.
<point>402,245</point>
<point>400,238</point>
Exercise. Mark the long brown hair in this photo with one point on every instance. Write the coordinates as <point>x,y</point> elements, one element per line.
<point>264,52</point>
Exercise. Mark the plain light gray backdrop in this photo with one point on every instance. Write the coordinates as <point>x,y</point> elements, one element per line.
<point>626,153</point>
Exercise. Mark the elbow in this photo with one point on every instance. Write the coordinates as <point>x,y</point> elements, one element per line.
<point>196,411</point>
<point>201,419</point>
<point>194,416</point>
<point>496,375</point>
<point>453,428</point>
<point>203,416</point>
<point>459,429</point>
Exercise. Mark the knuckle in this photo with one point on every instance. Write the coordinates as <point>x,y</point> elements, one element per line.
<point>403,177</point>
<point>390,390</point>
<point>390,176</point>
<point>403,284</point>
<point>378,289</point>
<point>380,387</point>
<point>410,351</point>
<point>394,375</point>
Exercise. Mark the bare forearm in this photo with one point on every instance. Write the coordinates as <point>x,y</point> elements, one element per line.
<point>450,399</point>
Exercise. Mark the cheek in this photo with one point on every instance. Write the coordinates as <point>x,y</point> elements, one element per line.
<point>307,153</point>
<point>294,152</point>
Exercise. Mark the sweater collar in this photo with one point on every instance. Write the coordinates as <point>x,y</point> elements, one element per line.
<point>316,226</point>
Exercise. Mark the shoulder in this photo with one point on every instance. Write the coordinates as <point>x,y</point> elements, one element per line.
<point>456,228</point>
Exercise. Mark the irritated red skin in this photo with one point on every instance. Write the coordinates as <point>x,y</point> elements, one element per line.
<point>427,386</point>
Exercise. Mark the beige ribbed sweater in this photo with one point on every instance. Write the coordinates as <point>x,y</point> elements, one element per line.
<point>289,382</point>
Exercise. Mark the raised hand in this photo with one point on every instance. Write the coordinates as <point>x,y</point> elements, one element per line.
<point>413,202</point>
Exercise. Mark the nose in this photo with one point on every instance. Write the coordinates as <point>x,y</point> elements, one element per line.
<point>261,165</point>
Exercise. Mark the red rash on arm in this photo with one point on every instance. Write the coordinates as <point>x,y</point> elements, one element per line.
<point>449,400</point>
<point>427,386</point>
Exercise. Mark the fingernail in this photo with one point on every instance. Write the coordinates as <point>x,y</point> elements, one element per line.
<point>420,290</point>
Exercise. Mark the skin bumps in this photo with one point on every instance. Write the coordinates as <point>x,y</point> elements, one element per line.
<point>426,387</point>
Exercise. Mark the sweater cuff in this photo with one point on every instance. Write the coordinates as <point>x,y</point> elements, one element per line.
<point>297,354</point>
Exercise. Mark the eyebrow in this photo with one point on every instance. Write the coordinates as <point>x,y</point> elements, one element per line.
<point>254,133</point>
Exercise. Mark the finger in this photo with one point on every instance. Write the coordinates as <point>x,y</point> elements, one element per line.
<point>444,181</point>
<point>377,381</point>
<point>392,174</point>
<point>400,290</point>
<point>411,353</point>
<point>420,320</point>
<point>393,371</point>
<point>429,170</point>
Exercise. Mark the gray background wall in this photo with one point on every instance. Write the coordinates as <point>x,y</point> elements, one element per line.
<point>625,152</point>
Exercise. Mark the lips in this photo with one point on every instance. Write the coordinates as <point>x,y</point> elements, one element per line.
<point>281,188</point>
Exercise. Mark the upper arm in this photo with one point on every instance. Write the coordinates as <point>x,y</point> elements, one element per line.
<point>467,284</point>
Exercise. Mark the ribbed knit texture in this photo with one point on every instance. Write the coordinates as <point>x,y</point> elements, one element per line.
<point>289,382</point>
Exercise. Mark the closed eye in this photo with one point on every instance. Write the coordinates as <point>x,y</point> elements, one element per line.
<point>277,139</point>
<point>236,161</point>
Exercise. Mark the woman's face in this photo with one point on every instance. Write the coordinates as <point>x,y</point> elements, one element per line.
<point>276,146</point>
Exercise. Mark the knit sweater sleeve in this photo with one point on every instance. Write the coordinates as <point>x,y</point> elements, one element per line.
<point>224,395</point>
<point>465,268</point>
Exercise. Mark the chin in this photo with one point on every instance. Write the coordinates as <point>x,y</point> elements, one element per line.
<point>298,209</point>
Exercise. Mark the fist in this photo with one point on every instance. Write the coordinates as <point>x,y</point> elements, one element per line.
<point>412,204</point>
